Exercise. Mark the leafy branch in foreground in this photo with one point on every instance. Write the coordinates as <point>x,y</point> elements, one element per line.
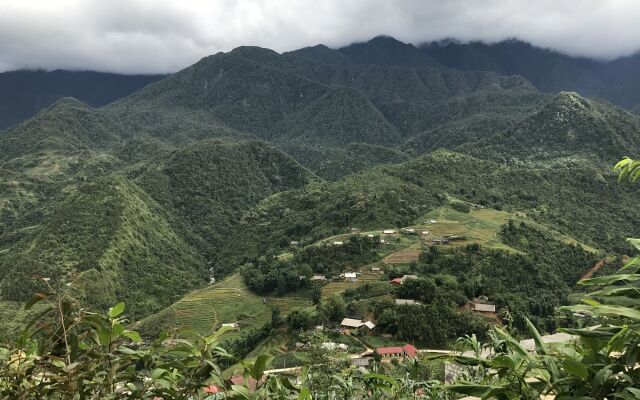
<point>628,170</point>
<point>67,352</point>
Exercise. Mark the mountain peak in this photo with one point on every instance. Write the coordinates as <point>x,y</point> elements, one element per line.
<point>387,51</point>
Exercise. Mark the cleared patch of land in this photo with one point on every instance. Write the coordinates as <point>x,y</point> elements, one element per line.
<point>229,301</point>
<point>403,256</point>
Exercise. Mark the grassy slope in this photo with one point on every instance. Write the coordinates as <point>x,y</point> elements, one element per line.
<point>226,301</point>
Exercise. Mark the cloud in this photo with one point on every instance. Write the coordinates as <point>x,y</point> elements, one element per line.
<point>158,36</point>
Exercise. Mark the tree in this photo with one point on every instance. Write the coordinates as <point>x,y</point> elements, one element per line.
<point>316,293</point>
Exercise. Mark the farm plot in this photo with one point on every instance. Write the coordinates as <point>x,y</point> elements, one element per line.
<point>230,301</point>
<point>339,287</point>
<point>403,256</point>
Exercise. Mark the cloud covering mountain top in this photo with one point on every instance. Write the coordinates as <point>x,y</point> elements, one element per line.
<point>159,36</point>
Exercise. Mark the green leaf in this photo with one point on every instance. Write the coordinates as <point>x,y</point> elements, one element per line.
<point>241,391</point>
<point>257,370</point>
<point>116,310</point>
<point>541,346</point>
<point>133,335</point>
<point>607,310</point>
<point>127,351</point>
<point>575,368</point>
<point>158,373</point>
<point>305,394</point>
<point>116,331</point>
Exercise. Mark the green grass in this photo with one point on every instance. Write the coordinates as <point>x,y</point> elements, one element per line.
<point>481,226</point>
<point>228,301</point>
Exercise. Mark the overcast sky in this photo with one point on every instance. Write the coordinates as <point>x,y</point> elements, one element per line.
<point>157,36</point>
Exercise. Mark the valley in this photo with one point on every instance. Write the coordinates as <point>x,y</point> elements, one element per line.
<point>319,203</point>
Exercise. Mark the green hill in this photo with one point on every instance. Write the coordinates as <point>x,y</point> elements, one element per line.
<point>395,196</point>
<point>111,235</point>
<point>68,126</point>
<point>568,125</point>
<point>207,187</point>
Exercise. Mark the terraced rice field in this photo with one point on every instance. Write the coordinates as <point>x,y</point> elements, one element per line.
<point>403,256</point>
<point>230,301</point>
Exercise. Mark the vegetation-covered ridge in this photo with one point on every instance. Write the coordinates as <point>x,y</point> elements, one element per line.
<point>111,236</point>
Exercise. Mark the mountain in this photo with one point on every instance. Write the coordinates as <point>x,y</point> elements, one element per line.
<point>387,51</point>
<point>242,153</point>
<point>616,80</point>
<point>567,126</point>
<point>294,101</point>
<point>24,93</point>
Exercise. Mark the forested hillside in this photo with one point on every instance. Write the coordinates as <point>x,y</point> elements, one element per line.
<point>228,163</point>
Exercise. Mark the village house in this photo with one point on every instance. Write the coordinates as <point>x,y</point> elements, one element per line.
<point>369,325</point>
<point>389,231</point>
<point>320,278</point>
<point>234,325</point>
<point>350,276</point>
<point>338,243</point>
<point>409,231</point>
<point>425,232</point>
<point>353,323</point>
<point>375,269</point>
<point>294,243</point>
<point>370,236</point>
<point>560,337</point>
<point>479,307</point>
<point>407,302</point>
<point>396,281</point>
<point>407,277</point>
<point>360,362</point>
<point>408,351</point>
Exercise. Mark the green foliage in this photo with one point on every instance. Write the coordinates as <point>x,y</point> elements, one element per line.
<point>110,234</point>
<point>267,276</point>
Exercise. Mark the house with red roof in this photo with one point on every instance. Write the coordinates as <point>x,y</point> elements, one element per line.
<point>396,281</point>
<point>407,350</point>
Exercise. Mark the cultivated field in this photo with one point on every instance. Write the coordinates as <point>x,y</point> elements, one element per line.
<point>403,256</point>
<point>229,301</point>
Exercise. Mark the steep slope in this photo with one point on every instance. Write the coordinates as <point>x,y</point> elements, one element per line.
<point>568,125</point>
<point>24,93</point>
<point>60,147</point>
<point>616,80</point>
<point>208,186</point>
<point>110,234</point>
